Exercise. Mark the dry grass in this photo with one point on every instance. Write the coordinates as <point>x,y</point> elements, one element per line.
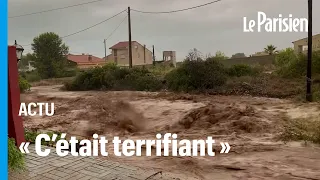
<point>53,81</point>
<point>307,130</point>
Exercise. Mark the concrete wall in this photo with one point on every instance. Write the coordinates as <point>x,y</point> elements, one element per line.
<point>260,54</point>
<point>261,60</point>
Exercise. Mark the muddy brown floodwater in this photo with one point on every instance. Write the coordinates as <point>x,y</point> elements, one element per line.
<point>248,124</point>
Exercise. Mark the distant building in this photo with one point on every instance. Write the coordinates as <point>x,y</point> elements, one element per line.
<point>262,53</point>
<point>120,54</point>
<point>86,61</point>
<point>301,45</point>
<point>28,68</point>
<point>170,56</point>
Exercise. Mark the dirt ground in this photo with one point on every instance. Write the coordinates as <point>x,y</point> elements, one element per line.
<point>249,124</point>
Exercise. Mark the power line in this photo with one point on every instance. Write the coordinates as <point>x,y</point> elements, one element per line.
<point>116,28</point>
<point>162,12</point>
<point>39,12</point>
<point>93,25</point>
<point>105,40</point>
<point>88,27</point>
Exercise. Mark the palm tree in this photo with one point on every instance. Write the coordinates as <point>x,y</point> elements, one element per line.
<point>270,49</point>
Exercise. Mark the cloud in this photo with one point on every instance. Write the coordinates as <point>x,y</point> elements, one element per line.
<point>218,26</point>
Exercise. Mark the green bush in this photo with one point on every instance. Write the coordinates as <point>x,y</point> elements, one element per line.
<point>69,73</point>
<point>31,136</point>
<point>15,157</point>
<point>239,70</point>
<point>197,75</point>
<point>161,69</point>
<point>24,85</point>
<point>316,62</point>
<point>112,77</point>
<point>141,80</point>
<point>31,76</point>
<point>291,65</point>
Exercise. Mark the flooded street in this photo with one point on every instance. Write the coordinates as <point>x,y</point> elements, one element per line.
<point>249,124</point>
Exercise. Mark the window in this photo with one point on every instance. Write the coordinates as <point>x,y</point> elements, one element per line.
<point>304,48</point>
<point>115,52</point>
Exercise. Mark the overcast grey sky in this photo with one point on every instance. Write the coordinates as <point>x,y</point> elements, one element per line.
<point>216,27</point>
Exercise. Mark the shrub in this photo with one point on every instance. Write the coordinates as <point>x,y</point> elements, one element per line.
<point>285,56</point>
<point>161,69</point>
<point>142,81</point>
<point>88,80</point>
<point>196,75</point>
<point>32,76</point>
<point>316,62</point>
<point>69,73</point>
<point>239,70</point>
<point>15,157</point>
<point>292,65</point>
<point>24,85</point>
<point>114,77</point>
<point>31,136</point>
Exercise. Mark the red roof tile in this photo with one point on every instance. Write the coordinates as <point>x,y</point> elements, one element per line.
<point>84,59</point>
<point>120,45</point>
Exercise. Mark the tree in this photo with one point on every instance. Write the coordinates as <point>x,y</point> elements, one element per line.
<point>238,55</point>
<point>270,49</point>
<point>194,55</point>
<point>220,55</point>
<point>49,55</point>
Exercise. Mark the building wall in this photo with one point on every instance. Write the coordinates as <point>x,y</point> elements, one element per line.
<point>138,55</point>
<point>121,57</point>
<point>167,54</point>
<point>170,56</point>
<point>302,45</point>
<point>110,59</point>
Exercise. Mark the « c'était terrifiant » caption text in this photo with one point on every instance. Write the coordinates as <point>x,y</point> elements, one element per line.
<point>166,145</point>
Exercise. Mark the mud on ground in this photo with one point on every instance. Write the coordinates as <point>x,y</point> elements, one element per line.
<point>249,124</point>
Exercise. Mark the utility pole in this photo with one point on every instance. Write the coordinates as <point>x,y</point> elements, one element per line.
<point>105,51</point>
<point>309,93</point>
<point>130,43</point>
<point>153,56</point>
<point>144,54</point>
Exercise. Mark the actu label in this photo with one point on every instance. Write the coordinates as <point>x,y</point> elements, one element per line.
<point>28,109</point>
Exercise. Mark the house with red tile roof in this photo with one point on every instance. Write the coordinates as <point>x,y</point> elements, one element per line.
<point>120,54</point>
<point>86,60</point>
